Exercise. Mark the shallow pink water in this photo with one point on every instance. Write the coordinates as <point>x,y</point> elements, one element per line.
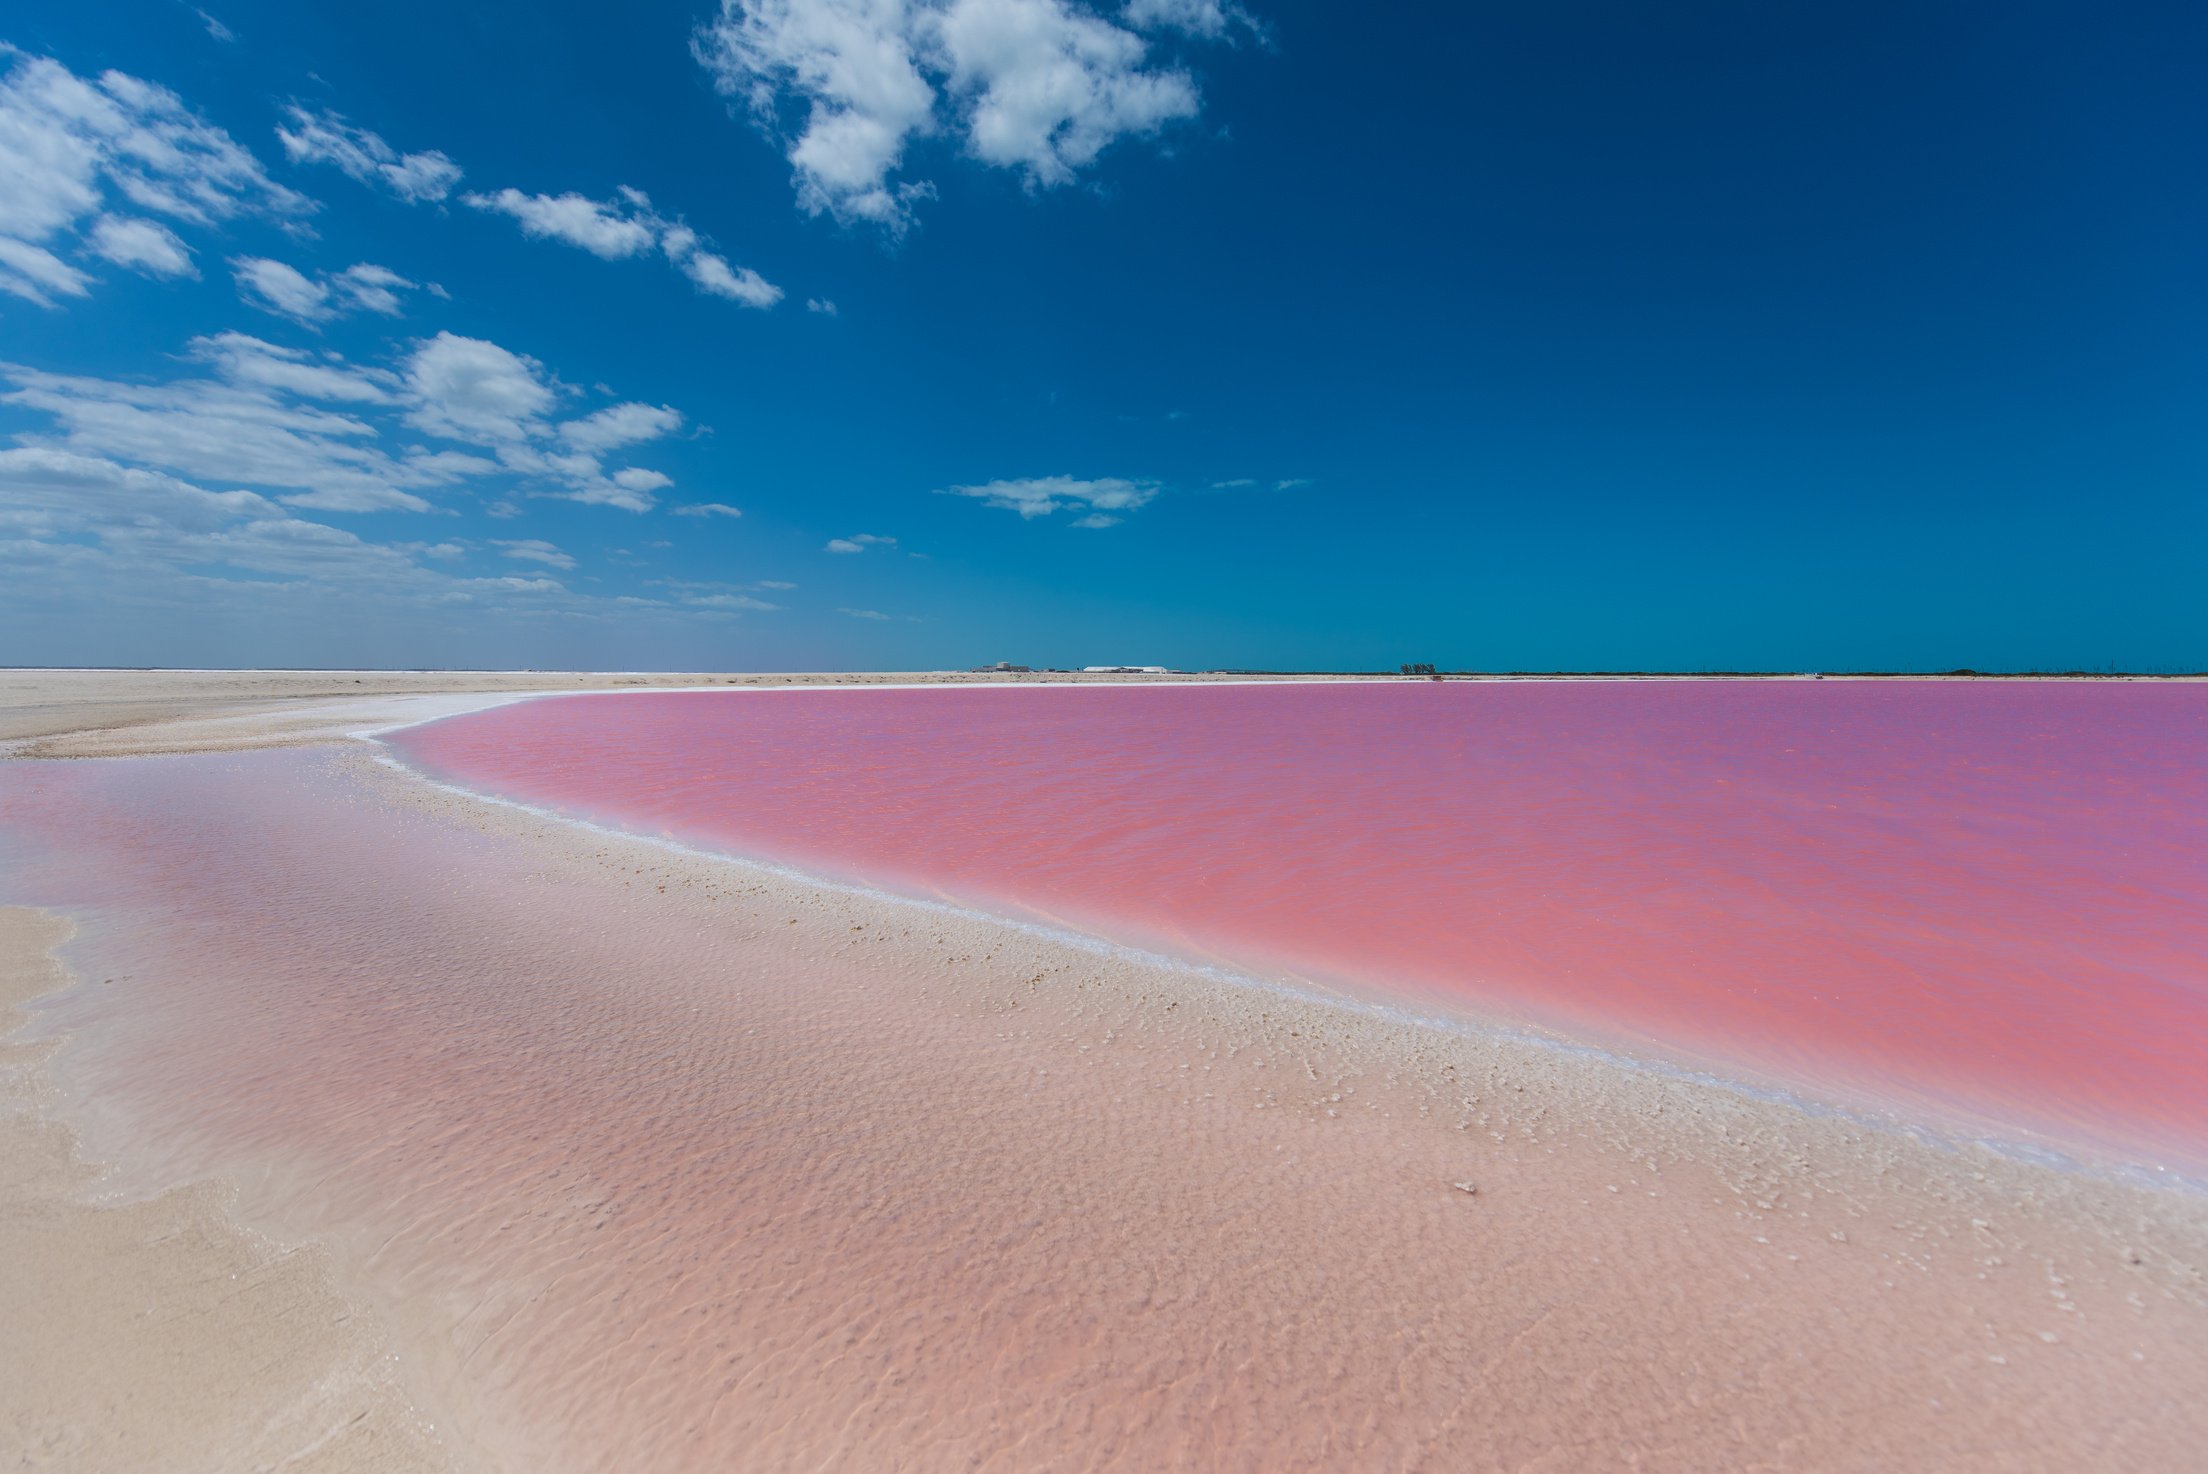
<point>1976,896</point>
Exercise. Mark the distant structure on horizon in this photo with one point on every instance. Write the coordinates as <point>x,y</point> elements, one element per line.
<point>1123,670</point>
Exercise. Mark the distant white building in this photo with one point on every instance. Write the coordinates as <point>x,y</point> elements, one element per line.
<point>1123,670</point>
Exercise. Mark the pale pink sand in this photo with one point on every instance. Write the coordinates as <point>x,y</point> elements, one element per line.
<point>156,1334</point>
<point>662,1164</point>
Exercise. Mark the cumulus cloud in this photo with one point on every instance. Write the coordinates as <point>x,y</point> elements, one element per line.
<point>476,392</point>
<point>472,390</point>
<point>708,509</point>
<point>1038,86</point>
<point>859,543</point>
<point>323,137</point>
<point>820,305</point>
<point>70,148</point>
<point>1039,496</point>
<point>289,292</point>
<point>535,550</point>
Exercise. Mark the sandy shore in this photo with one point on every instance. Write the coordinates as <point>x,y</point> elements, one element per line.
<point>597,1156</point>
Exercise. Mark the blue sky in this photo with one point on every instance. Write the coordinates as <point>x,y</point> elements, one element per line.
<point>898,333</point>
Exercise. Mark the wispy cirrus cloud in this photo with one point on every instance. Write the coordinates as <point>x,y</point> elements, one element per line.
<point>94,549</point>
<point>859,543</point>
<point>624,227</point>
<point>316,431</point>
<point>617,229</point>
<point>324,137</point>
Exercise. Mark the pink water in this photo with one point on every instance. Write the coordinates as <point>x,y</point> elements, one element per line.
<point>1986,898</point>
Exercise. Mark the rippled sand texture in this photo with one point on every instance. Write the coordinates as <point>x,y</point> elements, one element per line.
<point>655,1164</point>
<point>1971,897</point>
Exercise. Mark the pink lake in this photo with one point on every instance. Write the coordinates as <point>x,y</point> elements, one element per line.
<point>1985,900</point>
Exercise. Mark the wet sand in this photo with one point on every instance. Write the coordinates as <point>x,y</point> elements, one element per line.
<point>155,1332</point>
<point>643,1161</point>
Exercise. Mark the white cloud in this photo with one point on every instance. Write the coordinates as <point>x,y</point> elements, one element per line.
<point>1098,519</point>
<point>145,246</point>
<point>859,543</point>
<point>606,230</point>
<point>1049,85</point>
<point>612,230</point>
<point>820,305</point>
<point>472,390</point>
<point>621,424</point>
<point>1040,86</point>
<point>68,145</point>
<point>315,431</point>
<point>726,601</point>
<point>708,509</point>
<point>95,549</point>
<point>535,550</point>
<point>853,65</point>
<point>373,288</point>
<point>629,226</point>
<point>638,479</point>
<point>36,274</point>
<point>863,613</point>
<point>326,138</point>
<point>244,359</point>
<point>713,274</point>
<point>1209,19</point>
<point>237,433</point>
<point>286,291</point>
<point>1039,496</point>
<point>216,28</point>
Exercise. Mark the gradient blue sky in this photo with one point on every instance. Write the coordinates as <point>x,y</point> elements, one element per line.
<point>1567,336</point>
